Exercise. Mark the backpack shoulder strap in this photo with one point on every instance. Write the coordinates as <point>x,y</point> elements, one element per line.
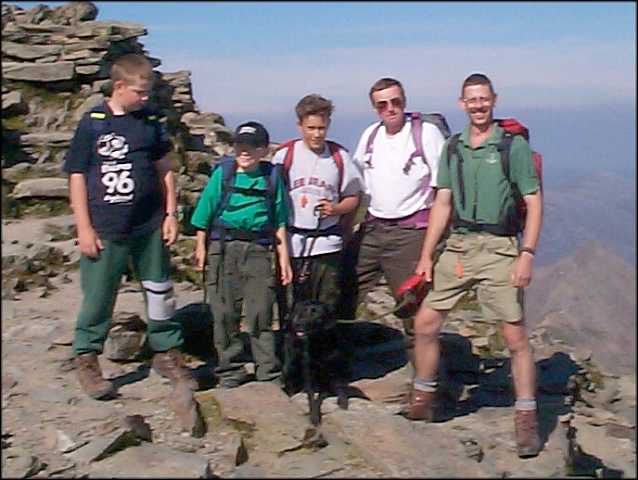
<point>370,144</point>
<point>334,148</point>
<point>272,172</point>
<point>229,167</point>
<point>504,148</point>
<point>416,128</point>
<point>99,117</point>
<point>452,150</point>
<point>290,150</point>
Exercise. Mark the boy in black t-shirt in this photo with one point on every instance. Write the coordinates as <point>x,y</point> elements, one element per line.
<point>122,193</point>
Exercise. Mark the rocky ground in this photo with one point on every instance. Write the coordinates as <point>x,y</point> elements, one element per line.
<point>50,429</point>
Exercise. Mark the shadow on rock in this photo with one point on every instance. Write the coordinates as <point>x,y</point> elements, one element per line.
<point>196,320</point>
<point>141,373</point>
<point>488,383</point>
<point>377,349</point>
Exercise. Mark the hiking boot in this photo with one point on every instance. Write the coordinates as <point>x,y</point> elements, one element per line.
<point>233,381</point>
<point>528,443</point>
<point>90,377</point>
<point>421,405</point>
<point>170,364</point>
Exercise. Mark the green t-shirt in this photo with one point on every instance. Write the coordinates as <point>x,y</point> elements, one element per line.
<point>488,193</point>
<point>244,211</point>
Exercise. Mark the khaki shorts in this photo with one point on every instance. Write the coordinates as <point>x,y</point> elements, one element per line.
<point>481,262</point>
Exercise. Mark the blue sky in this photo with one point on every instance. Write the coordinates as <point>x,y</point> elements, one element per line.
<point>549,61</point>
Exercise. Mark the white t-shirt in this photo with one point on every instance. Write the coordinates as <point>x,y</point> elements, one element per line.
<point>393,193</point>
<point>311,178</point>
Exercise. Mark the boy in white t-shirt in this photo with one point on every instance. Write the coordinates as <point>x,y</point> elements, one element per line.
<point>323,187</point>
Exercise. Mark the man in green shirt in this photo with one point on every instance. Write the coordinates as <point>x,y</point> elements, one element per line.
<point>239,231</point>
<point>481,253</point>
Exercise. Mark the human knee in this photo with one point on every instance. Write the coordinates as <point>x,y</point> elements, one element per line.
<point>427,322</point>
<point>160,299</point>
<point>516,337</point>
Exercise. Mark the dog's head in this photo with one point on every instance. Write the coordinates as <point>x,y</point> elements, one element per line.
<point>310,317</point>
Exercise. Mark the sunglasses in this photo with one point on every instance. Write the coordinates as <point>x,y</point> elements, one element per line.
<point>477,100</point>
<point>382,105</point>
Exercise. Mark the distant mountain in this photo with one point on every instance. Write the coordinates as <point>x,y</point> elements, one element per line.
<point>599,207</point>
<point>588,300</point>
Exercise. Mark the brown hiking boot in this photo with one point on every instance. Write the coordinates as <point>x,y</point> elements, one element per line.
<point>170,364</point>
<point>528,443</point>
<point>90,377</point>
<point>421,405</point>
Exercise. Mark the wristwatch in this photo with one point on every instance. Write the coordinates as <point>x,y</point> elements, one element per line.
<point>172,214</point>
<point>527,249</point>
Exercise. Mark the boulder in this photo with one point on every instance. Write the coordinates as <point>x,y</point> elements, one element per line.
<point>13,104</point>
<point>38,72</point>
<point>74,12</point>
<point>29,52</point>
<point>41,187</point>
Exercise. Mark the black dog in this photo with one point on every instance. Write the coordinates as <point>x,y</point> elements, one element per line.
<point>315,358</point>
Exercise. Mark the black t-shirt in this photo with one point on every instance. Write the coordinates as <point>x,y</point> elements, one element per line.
<point>117,154</point>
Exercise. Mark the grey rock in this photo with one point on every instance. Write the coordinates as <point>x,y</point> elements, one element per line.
<point>137,424</point>
<point>12,104</point>
<point>19,170</point>
<point>62,441</point>
<point>87,69</point>
<point>52,395</point>
<point>54,139</point>
<point>187,410</point>
<point>88,104</point>
<point>122,344</point>
<point>41,187</point>
<point>30,52</point>
<point>152,461</point>
<point>38,72</point>
<point>101,447</point>
<point>19,463</point>
<point>74,12</point>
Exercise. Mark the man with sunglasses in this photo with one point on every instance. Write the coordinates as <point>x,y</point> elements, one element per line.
<point>400,193</point>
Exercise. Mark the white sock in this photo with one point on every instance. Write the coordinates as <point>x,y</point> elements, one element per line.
<point>526,404</point>
<point>425,385</point>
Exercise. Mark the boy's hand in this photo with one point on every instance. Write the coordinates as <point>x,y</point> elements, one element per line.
<point>286,272</point>
<point>170,227</point>
<point>325,208</point>
<point>89,242</point>
<point>199,257</point>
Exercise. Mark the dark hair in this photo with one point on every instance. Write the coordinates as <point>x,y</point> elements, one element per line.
<point>131,68</point>
<point>477,79</point>
<point>313,105</point>
<point>384,83</point>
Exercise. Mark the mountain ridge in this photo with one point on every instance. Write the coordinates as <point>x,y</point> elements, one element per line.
<point>588,300</point>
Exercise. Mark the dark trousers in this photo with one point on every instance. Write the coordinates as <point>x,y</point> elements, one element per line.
<point>379,249</point>
<point>242,277</point>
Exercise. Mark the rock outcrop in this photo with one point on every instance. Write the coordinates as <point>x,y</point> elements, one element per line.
<point>55,67</point>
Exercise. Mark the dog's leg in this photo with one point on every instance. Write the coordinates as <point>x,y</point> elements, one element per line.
<point>314,405</point>
<point>342,396</point>
<point>315,409</point>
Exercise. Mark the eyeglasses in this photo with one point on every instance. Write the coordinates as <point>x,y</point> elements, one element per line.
<point>476,100</point>
<point>382,105</point>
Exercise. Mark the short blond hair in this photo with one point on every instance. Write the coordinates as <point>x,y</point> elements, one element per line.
<point>132,68</point>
